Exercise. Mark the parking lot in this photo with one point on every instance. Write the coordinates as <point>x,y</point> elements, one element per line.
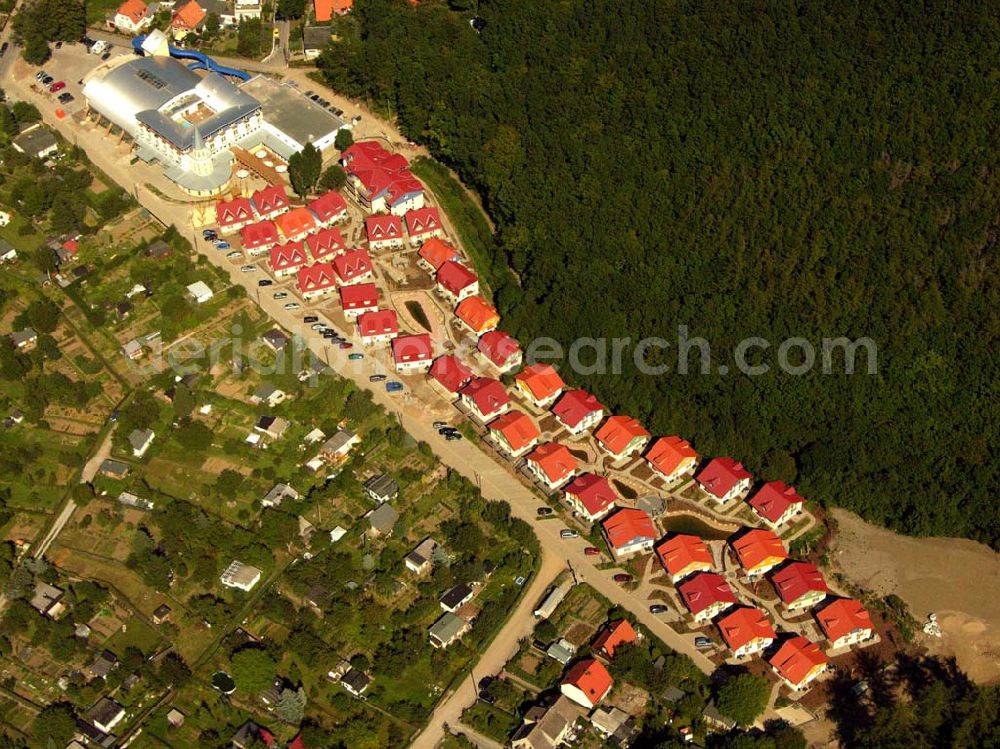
<point>68,64</point>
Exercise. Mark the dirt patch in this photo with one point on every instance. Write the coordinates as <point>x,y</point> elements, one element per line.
<point>956,578</point>
<point>216,465</point>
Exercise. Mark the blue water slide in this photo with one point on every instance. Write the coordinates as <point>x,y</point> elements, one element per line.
<point>201,60</point>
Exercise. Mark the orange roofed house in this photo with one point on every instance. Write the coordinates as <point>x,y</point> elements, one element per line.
<point>672,458</point>
<point>759,551</point>
<point>746,631</point>
<point>324,10</point>
<point>798,662</point>
<point>845,622</point>
<point>629,532</point>
<point>622,436</point>
<point>615,633</point>
<point>132,17</point>
<point>514,433</point>
<point>539,383</point>
<point>477,315</point>
<point>434,253</point>
<point>296,224</point>
<point>682,555</point>
<point>552,464</point>
<point>587,682</point>
<point>591,496</point>
<point>188,19</point>
<point>776,503</point>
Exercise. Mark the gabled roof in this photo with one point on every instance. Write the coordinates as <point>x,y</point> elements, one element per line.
<point>797,658</point>
<point>555,460</point>
<point>743,626</point>
<point>326,242</point>
<point>379,322</point>
<point>498,347</point>
<point>797,579</point>
<point>613,634</point>
<point>352,264</point>
<point>594,492</point>
<point>627,525</point>
<point>488,395</point>
<point>517,428</point>
<point>436,252</point>
<point>188,16</point>
<point>667,453</point>
<point>422,220</point>
<point>542,380</point>
<point>773,499</point>
<point>259,233</point>
<point>703,590</point>
<point>386,226</point>
<point>616,433</point>
<point>450,373</point>
<point>574,406</point>
<point>842,617</point>
<point>757,546</point>
<point>296,221</point>
<point>237,210</point>
<point>134,10</point>
<point>328,205</point>
<point>454,277</point>
<point>721,475</point>
<point>290,255</point>
<point>316,277</point>
<point>681,551</point>
<point>359,295</point>
<point>270,198</point>
<point>410,348</point>
<point>476,313</point>
<point>590,677</point>
<point>380,173</point>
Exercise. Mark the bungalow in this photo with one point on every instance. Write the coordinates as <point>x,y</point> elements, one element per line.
<point>240,576</point>
<point>552,464</point>
<point>455,282</point>
<point>378,327</point>
<point>477,315</point>
<point>450,374</point>
<point>615,726</point>
<point>233,215</point>
<point>326,242</point>
<point>275,339</point>
<point>8,253</point>
<point>132,17</point>
<point>161,614</point>
<point>355,682</point>
<point>412,353</point>
<point>421,558</point>
<point>199,292</point>
<point>329,208</point>
<point>670,458</point>
<point>514,433</point>
<point>434,253</point>
<point>114,469</point>
<point>578,411</point>
<point>358,299</point>
<point>547,727</point>
<point>47,600</point>
<point>339,446</point>
<point>456,597</point>
<point>539,383</point>
<point>746,631</point>
<point>706,595</point>
<point>724,479</point>
<point>799,585</point>
<point>622,436</point>
<point>384,232</point>
<point>105,714</point>
<point>316,280</point>
<point>613,635</point>
<point>553,598</point>
<point>252,735</point>
<point>591,496</point>
<point>423,224</point>
<point>270,201</point>
<point>629,532</point>
<point>448,629</point>
<point>587,683</point>
<point>382,488</point>
<point>268,393</point>
<point>380,180</point>
<point>140,440</point>
<point>682,555</point>
<point>798,662</point>
<point>259,237</point>
<point>354,266</point>
<point>271,426</point>
<point>278,494</point>
<point>24,340</point>
<point>776,503</point>
<point>103,664</point>
<point>845,622</point>
<point>36,141</point>
<point>759,551</point>
<point>485,398</point>
<point>296,224</point>
<point>286,259</point>
<point>500,350</point>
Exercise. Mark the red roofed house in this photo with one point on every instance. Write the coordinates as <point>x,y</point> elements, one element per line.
<point>286,259</point>
<point>434,253</point>
<point>381,181</point>
<point>614,634</point>
<point>423,224</point>
<point>455,282</point>
<point>450,373</point>
<point>682,555</point>
<point>629,532</point>
<point>671,458</point>
<point>485,398</point>
<point>539,383</point>
<point>591,496</point>
<point>187,19</point>
<point>259,238</point>
<point>776,503</point>
<point>845,622</point>
<point>132,17</point>
<point>354,266</point>
<point>746,631</point>
<point>514,433</point>
<point>233,215</point>
<point>587,683</point>
<point>358,299</point>
<point>270,201</point>
<point>384,231</point>
<point>552,464</point>
<point>477,315</point>
<point>622,436</point>
<point>412,353</point>
<point>759,550</point>
<point>325,9</point>
<point>326,242</point>
<point>328,208</point>
<point>578,411</point>
<point>296,224</point>
<point>706,595</point>
<point>378,327</point>
<point>724,479</point>
<point>500,350</point>
<point>800,585</point>
<point>798,662</point>
<point>316,280</point>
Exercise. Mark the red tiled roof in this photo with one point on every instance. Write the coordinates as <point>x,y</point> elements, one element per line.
<point>757,546</point>
<point>259,234</point>
<point>517,428</point>
<point>797,658</point>
<point>134,10</point>
<point>594,492</point>
<point>614,634</point>
<point>290,255</point>
<point>298,743</point>
<point>270,198</point>
<point>616,433</point>
<point>188,16</point>
<point>352,264</point>
<point>383,227</point>
<point>590,677</point>
<point>71,246</point>
<point>380,172</point>
<point>454,277</point>
<point>488,395</point>
<point>574,406</point>
<point>626,525</point>
<point>721,475</point>
<point>498,347</point>
<point>409,348</point>
<point>315,277</point>
<point>796,579</point>
<point>380,322</point>
<point>328,205</point>
<point>703,590</point>
<point>842,617</point>
<point>680,552</point>
<point>773,499</point>
<point>436,252</point>
<point>296,221</point>
<point>326,242</point>
<point>743,626</point>
<point>555,460</point>
<point>476,313</point>
<point>450,373</point>
<point>235,211</point>
<point>359,296</point>
<point>542,380</point>
<point>422,220</point>
<point>667,453</point>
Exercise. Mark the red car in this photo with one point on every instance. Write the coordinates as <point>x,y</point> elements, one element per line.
<point>57,86</point>
<point>622,577</point>
<point>347,344</point>
<point>592,551</point>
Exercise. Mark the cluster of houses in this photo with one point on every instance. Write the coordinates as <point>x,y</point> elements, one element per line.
<point>187,17</point>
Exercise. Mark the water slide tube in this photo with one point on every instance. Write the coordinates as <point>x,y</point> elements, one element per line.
<point>201,60</point>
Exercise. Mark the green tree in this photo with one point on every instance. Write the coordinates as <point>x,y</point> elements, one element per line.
<point>212,24</point>
<point>248,38</point>
<point>344,139</point>
<point>291,706</point>
<point>304,169</point>
<point>743,698</point>
<point>55,723</point>
<point>183,402</point>
<point>253,670</point>
<point>291,10</point>
<point>334,177</point>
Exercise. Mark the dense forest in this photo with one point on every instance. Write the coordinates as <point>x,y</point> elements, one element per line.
<point>749,168</point>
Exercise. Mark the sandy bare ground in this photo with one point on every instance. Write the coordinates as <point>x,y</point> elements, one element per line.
<point>957,579</point>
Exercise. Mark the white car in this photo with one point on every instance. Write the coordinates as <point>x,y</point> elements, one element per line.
<point>249,268</point>
<point>318,326</point>
<point>292,305</point>
<point>235,255</point>
<point>281,295</point>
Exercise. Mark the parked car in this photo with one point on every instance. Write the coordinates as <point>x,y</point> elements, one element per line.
<point>222,245</point>
<point>568,533</point>
<point>658,608</point>
<point>316,326</point>
<point>355,357</point>
<point>376,378</point>
<point>592,551</point>
<point>452,436</point>
<point>40,75</point>
<point>543,511</point>
<point>622,577</point>
<point>346,344</point>
<point>248,268</point>
<point>280,295</point>
<point>444,431</point>
<point>209,234</point>
<point>440,424</point>
<point>47,79</point>
<point>292,305</point>
<point>57,87</point>
<point>106,55</point>
<point>234,254</point>
<point>702,642</point>
<point>265,282</point>
<point>310,318</point>
<point>65,97</point>
<point>3,48</point>
<point>393,386</point>
<point>327,333</point>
